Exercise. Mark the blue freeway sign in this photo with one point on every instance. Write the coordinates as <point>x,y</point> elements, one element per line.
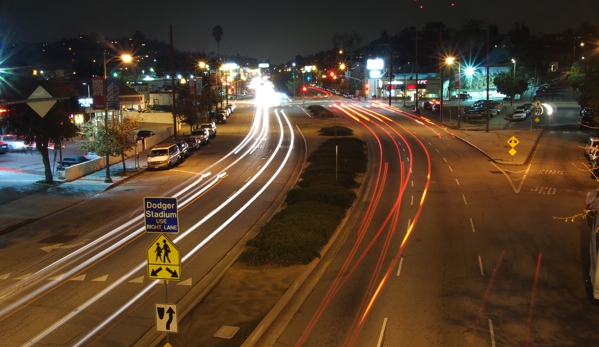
<point>161,215</point>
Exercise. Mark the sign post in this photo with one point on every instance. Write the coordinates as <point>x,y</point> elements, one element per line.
<point>163,257</point>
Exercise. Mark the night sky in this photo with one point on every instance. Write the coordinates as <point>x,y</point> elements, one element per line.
<point>276,30</point>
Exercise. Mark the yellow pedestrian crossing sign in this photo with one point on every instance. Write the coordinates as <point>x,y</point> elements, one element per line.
<point>164,260</point>
<point>538,104</point>
<point>513,142</point>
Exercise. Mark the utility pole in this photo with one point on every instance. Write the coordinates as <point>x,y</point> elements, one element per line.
<point>416,96</point>
<point>441,66</point>
<point>390,74</point>
<point>487,61</point>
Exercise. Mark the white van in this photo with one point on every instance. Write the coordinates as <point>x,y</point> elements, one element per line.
<point>164,157</point>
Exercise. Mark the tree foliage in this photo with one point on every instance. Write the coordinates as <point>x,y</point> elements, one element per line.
<point>508,85</point>
<point>54,127</point>
<point>119,139</point>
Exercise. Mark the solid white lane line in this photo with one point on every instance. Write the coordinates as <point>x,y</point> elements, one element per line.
<point>480,264</point>
<point>399,267</point>
<point>382,333</point>
<point>492,333</point>
<point>472,224</point>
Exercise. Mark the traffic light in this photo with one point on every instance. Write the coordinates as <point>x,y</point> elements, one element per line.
<point>304,89</point>
<point>332,74</point>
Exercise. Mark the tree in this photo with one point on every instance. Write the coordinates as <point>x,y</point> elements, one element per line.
<point>218,33</point>
<point>585,80</point>
<point>55,126</point>
<point>188,106</point>
<point>119,139</point>
<point>506,84</point>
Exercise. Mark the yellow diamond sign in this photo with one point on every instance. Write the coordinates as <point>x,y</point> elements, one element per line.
<point>512,152</point>
<point>164,260</point>
<point>513,141</point>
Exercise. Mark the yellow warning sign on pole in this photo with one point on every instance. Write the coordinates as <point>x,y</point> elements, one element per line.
<point>164,260</point>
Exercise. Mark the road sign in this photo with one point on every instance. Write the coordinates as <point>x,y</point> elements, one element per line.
<point>41,107</point>
<point>513,141</point>
<point>161,215</point>
<point>538,104</point>
<point>538,111</point>
<point>166,318</point>
<point>164,260</point>
<point>512,152</point>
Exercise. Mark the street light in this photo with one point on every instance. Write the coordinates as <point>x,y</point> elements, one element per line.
<point>125,58</point>
<point>450,61</point>
<point>513,84</point>
<point>574,53</point>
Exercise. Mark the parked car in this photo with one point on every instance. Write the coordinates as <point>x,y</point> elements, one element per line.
<point>586,111</point>
<point>226,111</point>
<point>142,134</point>
<point>202,134</point>
<point>193,143</point>
<point>4,148</point>
<point>70,160</point>
<point>211,127</point>
<point>588,121</point>
<point>592,142</point>
<point>493,111</point>
<point>519,115</point>
<point>479,115</point>
<point>522,109</point>
<point>221,118</point>
<point>231,107</point>
<point>183,148</point>
<point>164,157</point>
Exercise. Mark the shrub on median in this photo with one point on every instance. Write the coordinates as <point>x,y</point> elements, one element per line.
<point>296,234</point>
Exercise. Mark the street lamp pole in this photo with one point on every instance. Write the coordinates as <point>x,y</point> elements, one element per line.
<point>513,84</point>
<point>125,58</point>
<point>106,142</point>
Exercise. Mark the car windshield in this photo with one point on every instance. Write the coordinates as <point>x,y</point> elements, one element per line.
<point>158,152</point>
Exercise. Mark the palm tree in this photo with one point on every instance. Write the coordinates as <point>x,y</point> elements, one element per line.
<point>218,33</point>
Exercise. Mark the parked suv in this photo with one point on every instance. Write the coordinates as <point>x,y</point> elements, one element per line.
<point>592,142</point>
<point>211,127</point>
<point>202,135</point>
<point>164,157</point>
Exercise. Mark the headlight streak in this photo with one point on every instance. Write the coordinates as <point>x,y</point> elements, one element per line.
<point>187,256</point>
<point>63,262</point>
<point>59,264</point>
<point>343,274</point>
<point>357,325</point>
<point>406,237</point>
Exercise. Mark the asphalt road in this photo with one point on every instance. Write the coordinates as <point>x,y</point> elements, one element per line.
<point>485,264</point>
<point>100,293</point>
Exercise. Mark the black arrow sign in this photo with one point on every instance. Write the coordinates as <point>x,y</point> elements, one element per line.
<point>156,271</point>
<point>170,312</point>
<point>172,272</point>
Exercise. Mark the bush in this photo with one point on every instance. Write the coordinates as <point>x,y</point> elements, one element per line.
<point>296,234</point>
<point>320,112</point>
<point>336,131</point>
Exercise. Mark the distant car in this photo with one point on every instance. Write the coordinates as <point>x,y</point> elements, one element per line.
<point>462,96</point>
<point>4,148</point>
<point>429,104</point>
<point>142,134</point>
<point>14,142</point>
<point>374,104</point>
<point>70,160</point>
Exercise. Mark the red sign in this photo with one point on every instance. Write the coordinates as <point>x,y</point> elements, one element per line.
<point>98,92</point>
